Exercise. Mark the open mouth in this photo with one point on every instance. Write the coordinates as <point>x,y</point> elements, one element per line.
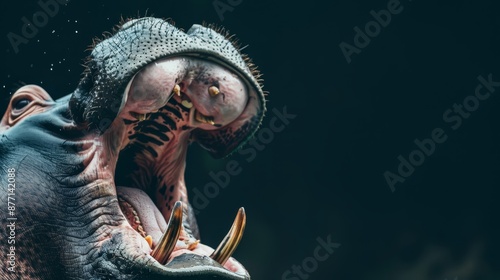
<point>159,116</point>
<point>148,92</point>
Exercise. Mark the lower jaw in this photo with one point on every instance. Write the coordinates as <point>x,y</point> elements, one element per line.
<point>124,256</point>
<point>184,244</point>
<point>156,226</point>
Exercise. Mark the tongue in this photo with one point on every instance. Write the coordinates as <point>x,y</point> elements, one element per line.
<point>151,219</point>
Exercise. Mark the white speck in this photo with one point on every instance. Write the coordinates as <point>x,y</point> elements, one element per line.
<point>38,41</point>
<point>76,21</point>
<point>76,31</point>
<point>53,31</point>
<point>50,68</point>
<point>52,64</point>
<point>69,70</point>
<point>44,52</point>
<point>59,62</point>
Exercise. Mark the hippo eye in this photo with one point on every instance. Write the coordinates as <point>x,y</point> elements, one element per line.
<point>21,103</point>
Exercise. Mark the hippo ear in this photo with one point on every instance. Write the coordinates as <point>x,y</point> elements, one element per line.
<point>227,139</point>
<point>26,101</point>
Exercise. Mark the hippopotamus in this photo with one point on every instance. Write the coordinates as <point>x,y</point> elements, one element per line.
<point>93,182</point>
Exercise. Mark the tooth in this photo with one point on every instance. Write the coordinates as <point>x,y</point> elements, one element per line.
<point>228,245</point>
<point>177,90</point>
<point>209,120</point>
<point>139,117</point>
<point>167,242</point>
<point>192,244</point>
<point>213,91</point>
<point>140,229</point>
<point>187,104</point>
<point>199,117</point>
<point>203,119</point>
<point>149,239</point>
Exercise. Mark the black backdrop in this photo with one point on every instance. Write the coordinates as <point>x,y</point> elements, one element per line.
<point>322,175</point>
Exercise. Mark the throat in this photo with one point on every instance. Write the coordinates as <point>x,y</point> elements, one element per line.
<point>154,160</point>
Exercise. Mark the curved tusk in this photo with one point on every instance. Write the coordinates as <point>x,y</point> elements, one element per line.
<point>228,245</point>
<point>169,239</point>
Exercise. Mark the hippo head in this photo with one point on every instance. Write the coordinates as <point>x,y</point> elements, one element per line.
<point>96,178</point>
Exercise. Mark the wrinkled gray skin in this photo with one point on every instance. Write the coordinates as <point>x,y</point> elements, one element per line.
<point>69,154</point>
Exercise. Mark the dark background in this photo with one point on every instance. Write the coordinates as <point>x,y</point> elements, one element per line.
<point>323,174</point>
